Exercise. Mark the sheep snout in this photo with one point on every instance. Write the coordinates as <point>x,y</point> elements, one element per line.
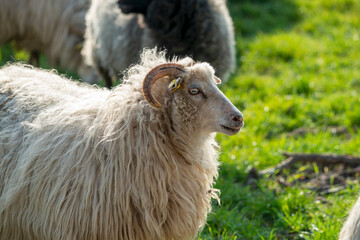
<point>232,121</point>
<point>237,118</point>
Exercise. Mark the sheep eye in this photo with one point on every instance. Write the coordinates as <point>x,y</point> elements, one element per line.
<point>194,91</point>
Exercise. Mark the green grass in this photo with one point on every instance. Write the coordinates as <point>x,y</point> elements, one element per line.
<point>298,66</point>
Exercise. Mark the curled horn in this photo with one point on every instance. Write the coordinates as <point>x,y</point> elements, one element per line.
<point>167,69</point>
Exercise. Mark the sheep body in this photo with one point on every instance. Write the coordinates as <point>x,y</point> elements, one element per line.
<point>53,27</point>
<point>79,162</point>
<point>351,228</point>
<point>201,29</point>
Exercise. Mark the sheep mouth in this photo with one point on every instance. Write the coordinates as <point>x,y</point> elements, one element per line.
<point>231,129</point>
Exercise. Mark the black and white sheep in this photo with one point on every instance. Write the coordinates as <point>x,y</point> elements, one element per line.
<point>53,27</point>
<point>201,29</point>
<point>136,162</point>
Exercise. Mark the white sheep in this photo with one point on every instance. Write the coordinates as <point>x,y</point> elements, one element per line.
<point>53,27</point>
<point>136,162</point>
<point>201,29</point>
<point>351,228</point>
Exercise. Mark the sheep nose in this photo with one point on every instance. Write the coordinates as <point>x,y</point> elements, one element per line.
<point>238,118</point>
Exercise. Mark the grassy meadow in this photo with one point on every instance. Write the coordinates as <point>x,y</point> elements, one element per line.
<point>298,67</point>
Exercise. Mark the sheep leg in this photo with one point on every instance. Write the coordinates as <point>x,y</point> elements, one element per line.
<point>106,76</point>
<point>34,58</point>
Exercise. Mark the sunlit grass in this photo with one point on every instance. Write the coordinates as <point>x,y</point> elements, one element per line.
<point>300,71</point>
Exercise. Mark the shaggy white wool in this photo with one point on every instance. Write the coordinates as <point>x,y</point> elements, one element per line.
<point>79,162</point>
<point>351,228</point>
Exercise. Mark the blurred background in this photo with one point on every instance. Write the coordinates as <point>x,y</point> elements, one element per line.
<point>297,81</point>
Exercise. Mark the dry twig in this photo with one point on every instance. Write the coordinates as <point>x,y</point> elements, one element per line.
<point>324,159</point>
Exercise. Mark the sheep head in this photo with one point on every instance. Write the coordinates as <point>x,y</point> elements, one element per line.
<point>133,6</point>
<point>196,98</point>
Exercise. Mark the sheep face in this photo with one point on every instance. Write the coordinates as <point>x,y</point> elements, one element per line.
<point>196,103</point>
<point>200,102</point>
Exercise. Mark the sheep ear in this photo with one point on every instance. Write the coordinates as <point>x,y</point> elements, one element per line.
<point>167,69</point>
<point>175,84</point>
<point>217,80</point>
